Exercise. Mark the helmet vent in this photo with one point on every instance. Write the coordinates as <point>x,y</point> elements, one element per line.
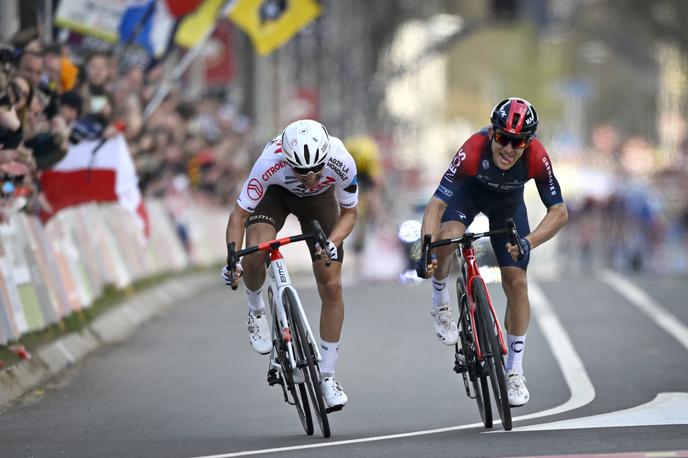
<point>317,156</point>
<point>516,119</point>
<point>306,154</point>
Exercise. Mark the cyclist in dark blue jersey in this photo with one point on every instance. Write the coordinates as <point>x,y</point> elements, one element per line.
<point>487,175</point>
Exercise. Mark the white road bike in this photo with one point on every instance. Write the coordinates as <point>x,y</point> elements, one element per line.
<point>295,355</point>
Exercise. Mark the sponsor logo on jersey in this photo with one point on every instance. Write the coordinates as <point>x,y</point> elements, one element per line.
<point>456,163</point>
<point>550,176</point>
<point>272,170</point>
<point>446,191</point>
<point>486,164</point>
<point>338,167</point>
<point>348,204</point>
<point>254,189</point>
<point>262,219</point>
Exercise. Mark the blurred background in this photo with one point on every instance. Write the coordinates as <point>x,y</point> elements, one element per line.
<point>198,87</point>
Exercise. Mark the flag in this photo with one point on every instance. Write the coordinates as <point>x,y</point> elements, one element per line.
<point>180,8</point>
<point>106,176</point>
<point>148,24</point>
<point>194,26</point>
<point>271,23</point>
<point>97,18</point>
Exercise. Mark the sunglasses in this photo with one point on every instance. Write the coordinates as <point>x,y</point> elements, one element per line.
<point>305,171</point>
<point>516,142</point>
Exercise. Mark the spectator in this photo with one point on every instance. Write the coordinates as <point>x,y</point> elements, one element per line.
<point>14,111</point>
<point>31,66</point>
<point>71,106</point>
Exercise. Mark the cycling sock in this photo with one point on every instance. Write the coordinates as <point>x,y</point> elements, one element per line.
<point>440,292</point>
<point>514,360</point>
<point>255,300</point>
<point>330,352</point>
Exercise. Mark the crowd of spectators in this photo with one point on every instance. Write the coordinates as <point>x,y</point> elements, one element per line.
<point>629,211</point>
<point>52,97</point>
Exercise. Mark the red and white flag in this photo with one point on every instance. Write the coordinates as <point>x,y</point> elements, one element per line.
<point>89,175</point>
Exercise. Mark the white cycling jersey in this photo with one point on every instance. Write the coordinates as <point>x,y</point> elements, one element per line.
<point>272,169</point>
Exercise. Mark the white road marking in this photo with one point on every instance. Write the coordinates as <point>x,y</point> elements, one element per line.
<point>582,391</point>
<point>639,298</point>
<point>665,409</point>
<point>572,368</point>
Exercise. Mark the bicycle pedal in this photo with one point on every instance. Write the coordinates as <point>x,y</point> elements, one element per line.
<point>274,378</point>
<point>460,362</point>
<point>334,408</point>
<point>460,368</point>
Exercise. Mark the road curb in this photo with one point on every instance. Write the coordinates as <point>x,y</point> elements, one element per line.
<point>114,326</point>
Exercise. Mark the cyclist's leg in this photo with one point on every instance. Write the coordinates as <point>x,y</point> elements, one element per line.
<point>261,226</point>
<point>514,280</point>
<point>455,219</point>
<point>515,285</point>
<point>325,209</point>
<point>458,215</point>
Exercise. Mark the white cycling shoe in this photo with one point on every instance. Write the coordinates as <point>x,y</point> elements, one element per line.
<point>259,332</point>
<point>445,326</point>
<point>516,389</point>
<point>332,392</point>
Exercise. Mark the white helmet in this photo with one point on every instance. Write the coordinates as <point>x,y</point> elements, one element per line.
<point>305,144</point>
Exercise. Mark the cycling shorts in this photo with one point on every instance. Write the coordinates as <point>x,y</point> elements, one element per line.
<point>278,203</point>
<point>469,199</point>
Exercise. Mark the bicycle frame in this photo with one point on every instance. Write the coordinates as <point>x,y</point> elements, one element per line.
<point>465,250</point>
<point>280,282</point>
<point>473,274</point>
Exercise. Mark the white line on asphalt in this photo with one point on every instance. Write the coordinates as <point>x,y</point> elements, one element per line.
<point>645,304</point>
<point>582,391</point>
<point>664,409</point>
<point>572,368</point>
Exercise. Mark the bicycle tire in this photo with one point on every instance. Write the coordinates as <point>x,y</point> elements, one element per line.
<point>300,398</point>
<point>493,357</point>
<point>477,380</point>
<point>313,376</point>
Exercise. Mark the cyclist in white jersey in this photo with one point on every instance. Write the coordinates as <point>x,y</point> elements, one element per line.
<point>309,173</point>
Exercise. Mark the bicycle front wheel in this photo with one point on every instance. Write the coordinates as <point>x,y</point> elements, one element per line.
<point>298,395</point>
<point>492,354</point>
<point>474,369</point>
<point>308,363</point>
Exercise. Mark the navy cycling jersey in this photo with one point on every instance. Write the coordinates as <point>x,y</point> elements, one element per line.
<point>473,164</point>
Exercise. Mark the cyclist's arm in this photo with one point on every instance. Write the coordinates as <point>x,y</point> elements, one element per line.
<point>554,220</point>
<point>432,217</point>
<point>550,193</point>
<point>235,226</point>
<point>344,225</point>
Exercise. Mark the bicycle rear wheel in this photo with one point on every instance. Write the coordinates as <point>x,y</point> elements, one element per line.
<point>309,362</point>
<point>299,397</point>
<point>475,371</point>
<point>492,354</point>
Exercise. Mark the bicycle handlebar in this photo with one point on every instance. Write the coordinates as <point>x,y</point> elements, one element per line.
<point>234,255</point>
<point>469,238</point>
